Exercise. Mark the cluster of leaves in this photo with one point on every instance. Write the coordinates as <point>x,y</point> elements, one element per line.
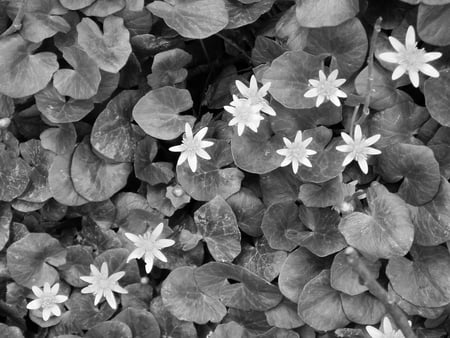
<point>94,92</point>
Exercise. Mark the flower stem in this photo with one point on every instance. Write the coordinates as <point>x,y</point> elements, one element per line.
<point>352,123</point>
<point>373,40</point>
<point>379,292</point>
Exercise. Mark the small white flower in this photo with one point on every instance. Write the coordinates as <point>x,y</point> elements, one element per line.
<point>103,285</point>
<point>296,152</point>
<point>192,146</point>
<point>410,59</point>
<point>358,148</point>
<point>47,300</point>
<point>244,114</point>
<point>149,246</point>
<point>326,88</point>
<point>386,330</point>
<point>255,95</point>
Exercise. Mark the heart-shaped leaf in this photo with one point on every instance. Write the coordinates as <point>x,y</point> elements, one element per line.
<point>104,8</point>
<point>321,13</point>
<point>31,260</point>
<point>78,260</point>
<point>21,72</point>
<point>284,315</point>
<point>386,232</point>
<point>142,323</point>
<point>168,68</point>
<point>14,175</point>
<point>363,309</point>
<point>322,195</point>
<point>76,4</point>
<point>59,140</point>
<point>5,222</point>
<point>278,185</point>
<point>195,19</point>
<point>241,14</point>
<point>433,24</point>
<point>110,329</point>
<point>437,97</point>
<point>110,49</point>
<point>217,224</point>
<point>157,113</point>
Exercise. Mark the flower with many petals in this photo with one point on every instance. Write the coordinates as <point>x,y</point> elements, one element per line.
<point>386,330</point>
<point>244,114</point>
<point>326,88</point>
<point>103,285</point>
<point>358,148</point>
<point>296,152</point>
<point>410,59</point>
<point>256,96</point>
<point>192,146</point>
<point>149,246</point>
<point>47,300</point>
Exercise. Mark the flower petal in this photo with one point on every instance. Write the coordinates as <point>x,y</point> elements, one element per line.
<point>372,140</point>
<point>333,75</point>
<point>131,237</point>
<point>203,154</point>
<point>253,85</point>
<point>164,243</point>
<point>322,76</point>
<point>183,157</point>
<point>37,291</point>
<point>89,289</point>
<point>391,57</point>
<point>414,77</point>
<point>306,162</point>
<point>374,333</point>
<point>243,89</point>
<point>192,160</point>
<point>398,72</point>
<point>340,93</point>
<point>285,162</point>
<point>347,138</point>
<point>268,110</point>
<point>116,276</point>
<point>429,70</point>
<point>60,299</point>
<point>88,279</point>
<point>348,159</point>
<point>335,100</point>
<point>46,313</point>
<point>311,93</point>
<point>410,39</point>
<point>295,166</point>
<point>344,148</point>
<point>314,83</point>
<point>158,254</point>
<point>56,310</point>
<point>136,254</point>
<point>427,57</point>
<point>264,89</point>
<point>148,264</point>
<point>398,46</point>
<point>201,133</point>
<point>188,131</point>
<point>98,297</point>
<point>157,231</point>
<point>282,152</point>
<point>363,165</point>
<point>111,299</point>
<point>117,288</point>
<point>320,100</point>
<point>372,151</point>
<point>34,304</point>
<point>358,133</point>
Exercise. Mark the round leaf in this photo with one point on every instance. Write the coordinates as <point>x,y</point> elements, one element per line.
<point>195,19</point>
<point>14,176</point>
<point>241,14</point>
<point>5,222</point>
<point>320,13</point>
<point>103,8</point>
<point>142,323</point>
<point>110,49</point>
<point>21,72</point>
<point>31,260</point>
<point>76,4</point>
<point>77,264</point>
<point>363,309</point>
<point>59,140</point>
<point>157,113</point>
<point>437,97</point>
<point>433,24</point>
<point>284,316</point>
<point>110,329</point>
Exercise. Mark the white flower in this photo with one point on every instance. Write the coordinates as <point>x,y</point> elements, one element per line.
<point>410,59</point>
<point>244,114</point>
<point>47,300</point>
<point>326,88</point>
<point>358,148</point>
<point>386,330</point>
<point>255,95</point>
<point>192,146</point>
<point>296,152</point>
<point>102,285</point>
<point>149,246</point>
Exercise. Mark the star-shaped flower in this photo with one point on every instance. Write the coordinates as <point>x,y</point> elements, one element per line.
<point>255,95</point>
<point>103,285</point>
<point>386,330</point>
<point>149,246</point>
<point>47,300</point>
<point>296,152</point>
<point>244,114</point>
<point>326,88</point>
<point>358,148</point>
<point>192,146</point>
<point>410,59</point>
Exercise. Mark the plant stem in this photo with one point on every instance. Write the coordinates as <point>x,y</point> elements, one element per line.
<point>17,22</point>
<point>234,45</point>
<point>373,40</point>
<point>379,292</point>
<point>352,123</point>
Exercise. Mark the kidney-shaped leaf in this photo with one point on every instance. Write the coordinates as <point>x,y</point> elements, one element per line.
<point>217,224</point>
<point>157,113</point>
<point>110,329</point>
<point>321,13</point>
<point>111,49</point>
<point>250,293</point>
<point>418,168</point>
<point>103,8</point>
<point>76,4</point>
<point>241,14</point>
<point>424,280</point>
<point>5,222</point>
<point>196,19</point>
<point>168,68</point>
<point>387,232</point>
<point>31,260</point>
<point>14,176</point>
<point>184,299</point>
<point>433,24</point>
<point>21,72</point>
<point>363,308</point>
<point>142,323</point>
<point>320,306</point>
<point>437,97</point>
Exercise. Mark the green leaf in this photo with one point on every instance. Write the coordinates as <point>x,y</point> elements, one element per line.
<point>168,68</point>
<point>185,300</point>
<point>195,19</point>
<point>363,309</point>
<point>82,81</point>
<point>138,296</point>
<point>250,293</point>
<point>157,113</point>
<point>298,269</point>
<point>284,315</point>
<point>217,224</point>
<point>320,306</point>
<point>110,49</point>
<point>265,50</point>
<point>76,4</point>
<point>442,155</point>
<point>423,281</point>
<point>346,42</point>
<point>59,140</point>
<point>142,323</point>
<point>210,180</point>
<point>31,260</point>
<point>95,179</point>
<point>112,135</point>
<point>56,109</point>
<point>21,72</point>
<point>11,331</point>
<point>432,220</point>
<point>103,8</point>
<point>437,97</point>
<point>320,13</point>
<point>14,176</point>
<point>241,14</point>
<point>433,24</point>
<point>278,220</point>
<point>324,238</point>
<point>110,329</point>
<point>108,84</point>
<point>322,195</point>
<point>78,262</point>
<point>5,222</point>
<point>289,75</point>
<point>384,233</point>
<point>278,185</point>
<point>418,168</point>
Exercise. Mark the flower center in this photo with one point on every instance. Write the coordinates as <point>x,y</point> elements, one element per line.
<point>412,59</point>
<point>104,283</point>
<point>47,301</point>
<point>326,88</point>
<point>297,152</point>
<point>192,146</point>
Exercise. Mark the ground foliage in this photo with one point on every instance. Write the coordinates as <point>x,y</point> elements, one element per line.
<point>94,92</point>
